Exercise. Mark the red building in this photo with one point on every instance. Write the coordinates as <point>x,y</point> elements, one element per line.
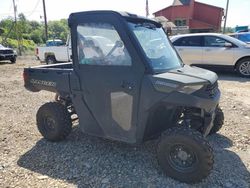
<point>198,16</point>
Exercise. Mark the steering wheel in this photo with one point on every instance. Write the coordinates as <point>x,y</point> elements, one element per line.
<point>118,44</point>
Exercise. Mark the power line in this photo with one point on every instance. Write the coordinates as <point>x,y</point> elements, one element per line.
<point>10,13</point>
<point>10,7</point>
<point>34,9</point>
<point>30,13</point>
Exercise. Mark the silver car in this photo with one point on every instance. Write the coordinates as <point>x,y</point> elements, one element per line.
<point>213,50</point>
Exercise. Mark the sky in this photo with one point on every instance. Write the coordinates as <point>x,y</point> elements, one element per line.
<point>238,12</point>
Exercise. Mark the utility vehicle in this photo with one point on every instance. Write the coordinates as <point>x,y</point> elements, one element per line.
<point>127,83</point>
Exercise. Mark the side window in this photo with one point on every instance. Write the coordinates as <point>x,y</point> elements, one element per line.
<point>194,41</point>
<point>100,44</point>
<point>211,41</point>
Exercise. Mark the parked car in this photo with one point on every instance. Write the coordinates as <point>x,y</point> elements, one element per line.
<point>215,51</point>
<point>244,36</point>
<point>54,54</point>
<point>7,54</point>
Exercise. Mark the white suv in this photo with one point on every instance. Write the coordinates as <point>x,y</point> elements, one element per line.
<point>213,50</point>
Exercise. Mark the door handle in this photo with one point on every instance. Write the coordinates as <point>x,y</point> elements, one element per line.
<point>180,49</point>
<point>127,85</point>
<point>207,50</point>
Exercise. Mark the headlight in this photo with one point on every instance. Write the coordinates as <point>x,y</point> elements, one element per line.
<point>190,89</point>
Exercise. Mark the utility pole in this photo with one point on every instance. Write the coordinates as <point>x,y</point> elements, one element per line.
<point>147,9</point>
<point>225,20</point>
<point>16,29</point>
<point>45,20</point>
<point>14,5</point>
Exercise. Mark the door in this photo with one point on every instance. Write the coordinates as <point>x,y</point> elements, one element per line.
<point>190,49</point>
<point>216,51</point>
<point>110,77</point>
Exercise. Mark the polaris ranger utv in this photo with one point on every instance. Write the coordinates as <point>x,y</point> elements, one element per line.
<point>127,83</point>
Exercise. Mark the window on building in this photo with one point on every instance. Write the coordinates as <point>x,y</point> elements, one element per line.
<point>180,22</point>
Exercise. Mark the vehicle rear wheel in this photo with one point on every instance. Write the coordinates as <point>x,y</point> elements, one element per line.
<point>53,121</point>
<point>218,121</point>
<point>243,67</point>
<point>185,155</point>
<point>50,59</point>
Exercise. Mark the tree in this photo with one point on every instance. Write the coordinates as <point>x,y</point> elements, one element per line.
<point>23,24</point>
<point>229,30</point>
<point>1,31</point>
<point>58,29</point>
<point>36,36</point>
<point>8,26</point>
<point>32,30</point>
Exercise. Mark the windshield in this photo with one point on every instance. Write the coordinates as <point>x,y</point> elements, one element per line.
<point>244,37</point>
<point>234,40</point>
<point>156,46</point>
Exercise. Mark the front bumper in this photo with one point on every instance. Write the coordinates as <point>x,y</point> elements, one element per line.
<point>207,105</point>
<point>7,56</point>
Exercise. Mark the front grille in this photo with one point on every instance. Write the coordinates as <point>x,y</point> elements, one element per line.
<point>6,51</point>
<point>212,89</point>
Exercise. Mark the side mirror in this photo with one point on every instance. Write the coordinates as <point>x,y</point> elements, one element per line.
<point>228,45</point>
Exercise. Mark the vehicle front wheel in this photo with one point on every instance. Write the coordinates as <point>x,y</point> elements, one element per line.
<point>53,121</point>
<point>185,155</point>
<point>243,67</point>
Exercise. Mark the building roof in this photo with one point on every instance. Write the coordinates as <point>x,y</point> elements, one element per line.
<point>165,22</point>
<point>208,5</point>
<point>197,24</point>
<point>178,3</point>
<point>181,2</point>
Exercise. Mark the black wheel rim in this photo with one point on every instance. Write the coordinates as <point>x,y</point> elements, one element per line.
<point>182,158</point>
<point>49,124</point>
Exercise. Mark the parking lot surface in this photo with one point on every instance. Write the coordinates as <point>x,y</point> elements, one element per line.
<point>27,160</point>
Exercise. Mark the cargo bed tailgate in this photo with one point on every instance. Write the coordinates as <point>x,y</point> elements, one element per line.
<point>54,78</point>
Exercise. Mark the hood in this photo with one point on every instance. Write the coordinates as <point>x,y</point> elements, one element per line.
<point>187,75</point>
<point>247,45</point>
<point>4,48</point>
